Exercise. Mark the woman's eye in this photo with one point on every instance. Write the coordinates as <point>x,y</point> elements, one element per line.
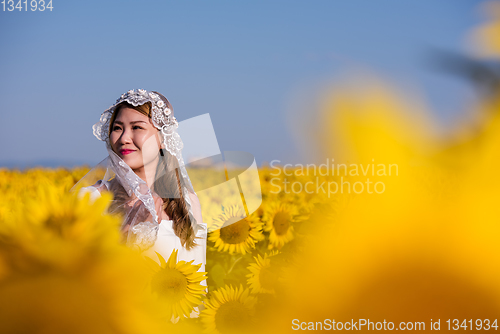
<point>119,128</point>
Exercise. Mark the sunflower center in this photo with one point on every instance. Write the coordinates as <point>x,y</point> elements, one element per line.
<point>281,222</point>
<point>235,230</point>
<point>169,284</point>
<point>232,317</point>
<point>268,278</point>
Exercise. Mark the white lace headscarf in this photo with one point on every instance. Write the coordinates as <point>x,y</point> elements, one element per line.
<point>141,218</point>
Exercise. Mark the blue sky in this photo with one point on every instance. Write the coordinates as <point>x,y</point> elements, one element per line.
<point>241,61</point>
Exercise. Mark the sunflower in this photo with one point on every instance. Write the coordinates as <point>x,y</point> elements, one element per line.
<point>279,218</point>
<point>62,269</point>
<point>229,310</point>
<point>98,300</point>
<point>57,229</point>
<point>263,277</point>
<point>237,233</point>
<point>177,284</point>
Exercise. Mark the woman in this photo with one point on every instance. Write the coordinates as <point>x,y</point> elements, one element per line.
<point>145,173</point>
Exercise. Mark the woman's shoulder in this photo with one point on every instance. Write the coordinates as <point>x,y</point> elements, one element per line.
<point>93,191</point>
<point>101,186</point>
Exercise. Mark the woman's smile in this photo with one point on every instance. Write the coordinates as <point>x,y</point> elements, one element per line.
<point>126,151</point>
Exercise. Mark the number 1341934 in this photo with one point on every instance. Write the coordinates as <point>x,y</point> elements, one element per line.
<point>486,324</point>
<point>26,5</point>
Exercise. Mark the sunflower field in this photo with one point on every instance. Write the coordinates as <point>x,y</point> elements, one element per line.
<point>421,246</point>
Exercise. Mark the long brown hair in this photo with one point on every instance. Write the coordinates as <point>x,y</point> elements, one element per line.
<point>167,185</point>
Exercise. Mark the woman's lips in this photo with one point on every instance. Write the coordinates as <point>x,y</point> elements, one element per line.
<point>125,152</point>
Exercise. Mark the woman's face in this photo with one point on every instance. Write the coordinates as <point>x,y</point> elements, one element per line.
<point>134,138</point>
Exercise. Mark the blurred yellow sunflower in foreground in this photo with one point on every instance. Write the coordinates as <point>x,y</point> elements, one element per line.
<point>421,250</point>
<point>237,233</point>
<point>100,299</point>
<point>279,218</point>
<point>62,269</point>
<point>177,285</point>
<point>229,310</point>
<point>57,229</point>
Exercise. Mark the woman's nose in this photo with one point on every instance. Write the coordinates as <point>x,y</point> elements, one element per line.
<point>126,137</point>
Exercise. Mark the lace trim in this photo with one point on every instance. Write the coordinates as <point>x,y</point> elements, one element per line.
<point>162,118</point>
<point>132,183</point>
<point>143,235</point>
